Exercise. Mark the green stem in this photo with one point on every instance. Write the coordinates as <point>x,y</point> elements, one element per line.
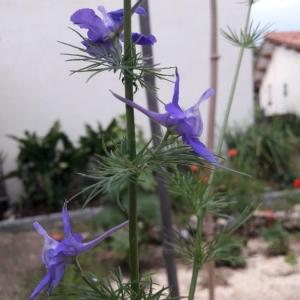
<point>197,263</point>
<point>132,186</point>
<point>79,269</point>
<point>193,285</point>
<point>230,99</point>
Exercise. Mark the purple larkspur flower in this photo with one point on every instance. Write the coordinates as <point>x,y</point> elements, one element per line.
<point>186,123</point>
<point>57,256</point>
<point>103,32</point>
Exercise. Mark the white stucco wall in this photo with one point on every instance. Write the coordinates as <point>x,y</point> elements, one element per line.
<point>283,74</point>
<point>36,88</point>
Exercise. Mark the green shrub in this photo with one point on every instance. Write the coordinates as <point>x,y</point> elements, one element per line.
<point>48,165</point>
<point>233,254</point>
<point>266,152</point>
<point>45,166</point>
<point>278,239</point>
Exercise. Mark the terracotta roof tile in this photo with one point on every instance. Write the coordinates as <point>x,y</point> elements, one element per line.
<point>289,39</point>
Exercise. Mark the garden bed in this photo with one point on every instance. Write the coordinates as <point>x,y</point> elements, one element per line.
<point>263,278</point>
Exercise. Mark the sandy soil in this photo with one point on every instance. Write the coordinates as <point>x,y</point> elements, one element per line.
<point>263,278</point>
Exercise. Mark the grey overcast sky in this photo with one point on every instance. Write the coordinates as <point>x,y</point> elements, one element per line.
<point>283,14</point>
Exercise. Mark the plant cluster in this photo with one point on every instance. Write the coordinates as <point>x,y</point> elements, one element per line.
<point>48,165</point>
<point>266,151</point>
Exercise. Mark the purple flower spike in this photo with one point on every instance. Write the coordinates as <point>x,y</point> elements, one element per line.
<point>57,256</point>
<point>187,123</point>
<point>103,31</point>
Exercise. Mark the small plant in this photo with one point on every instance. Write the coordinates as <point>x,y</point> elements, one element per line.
<point>233,254</point>
<point>278,239</point>
<point>291,259</point>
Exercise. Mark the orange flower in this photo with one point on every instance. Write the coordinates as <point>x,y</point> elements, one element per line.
<point>232,152</point>
<point>194,168</point>
<point>222,187</point>
<point>204,178</point>
<point>297,183</point>
<point>57,236</point>
<point>235,180</point>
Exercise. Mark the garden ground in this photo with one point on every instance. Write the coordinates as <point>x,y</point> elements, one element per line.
<point>264,278</point>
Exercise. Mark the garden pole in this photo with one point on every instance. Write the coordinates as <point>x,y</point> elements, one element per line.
<point>162,185</point>
<point>211,128</point>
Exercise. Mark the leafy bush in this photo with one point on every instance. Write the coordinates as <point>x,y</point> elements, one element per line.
<point>278,239</point>
<point>234,254</point>
<point>266,152</point>
<point>47,166</point>
<point>238,191</point>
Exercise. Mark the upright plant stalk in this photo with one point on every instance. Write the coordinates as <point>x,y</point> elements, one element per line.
<point>197,258</point>
<point>132,185</point>
<point>221,139</point>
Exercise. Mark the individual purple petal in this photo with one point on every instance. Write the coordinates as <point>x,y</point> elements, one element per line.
<point>193,116</point>
<point>66,248</point>
<point>175,99</point>
<point>174,110</point>
<point>77,237</point>
<point>186,129</point>
<point>40,286</point>
<point>56,272</point>
<point>86,246</point>
<point>201,150</point>
<point>49,244</point>
<point>117,18</point>
<point>140,10</point>
<point>206,95</point>
<point>66,220</point>
<point>86,18</point>
<point>195,112</point>
<point>141,39</point>
<point>174,114</point>
<point>159,118</point>
<point>108,21</point>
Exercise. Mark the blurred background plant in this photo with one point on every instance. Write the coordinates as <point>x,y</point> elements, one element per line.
<point>45,166</point>
<point>48,165</point>
<point>278,239</point>
<point>234,257</point>
<point>267,150</point>
<point>4,200</point>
